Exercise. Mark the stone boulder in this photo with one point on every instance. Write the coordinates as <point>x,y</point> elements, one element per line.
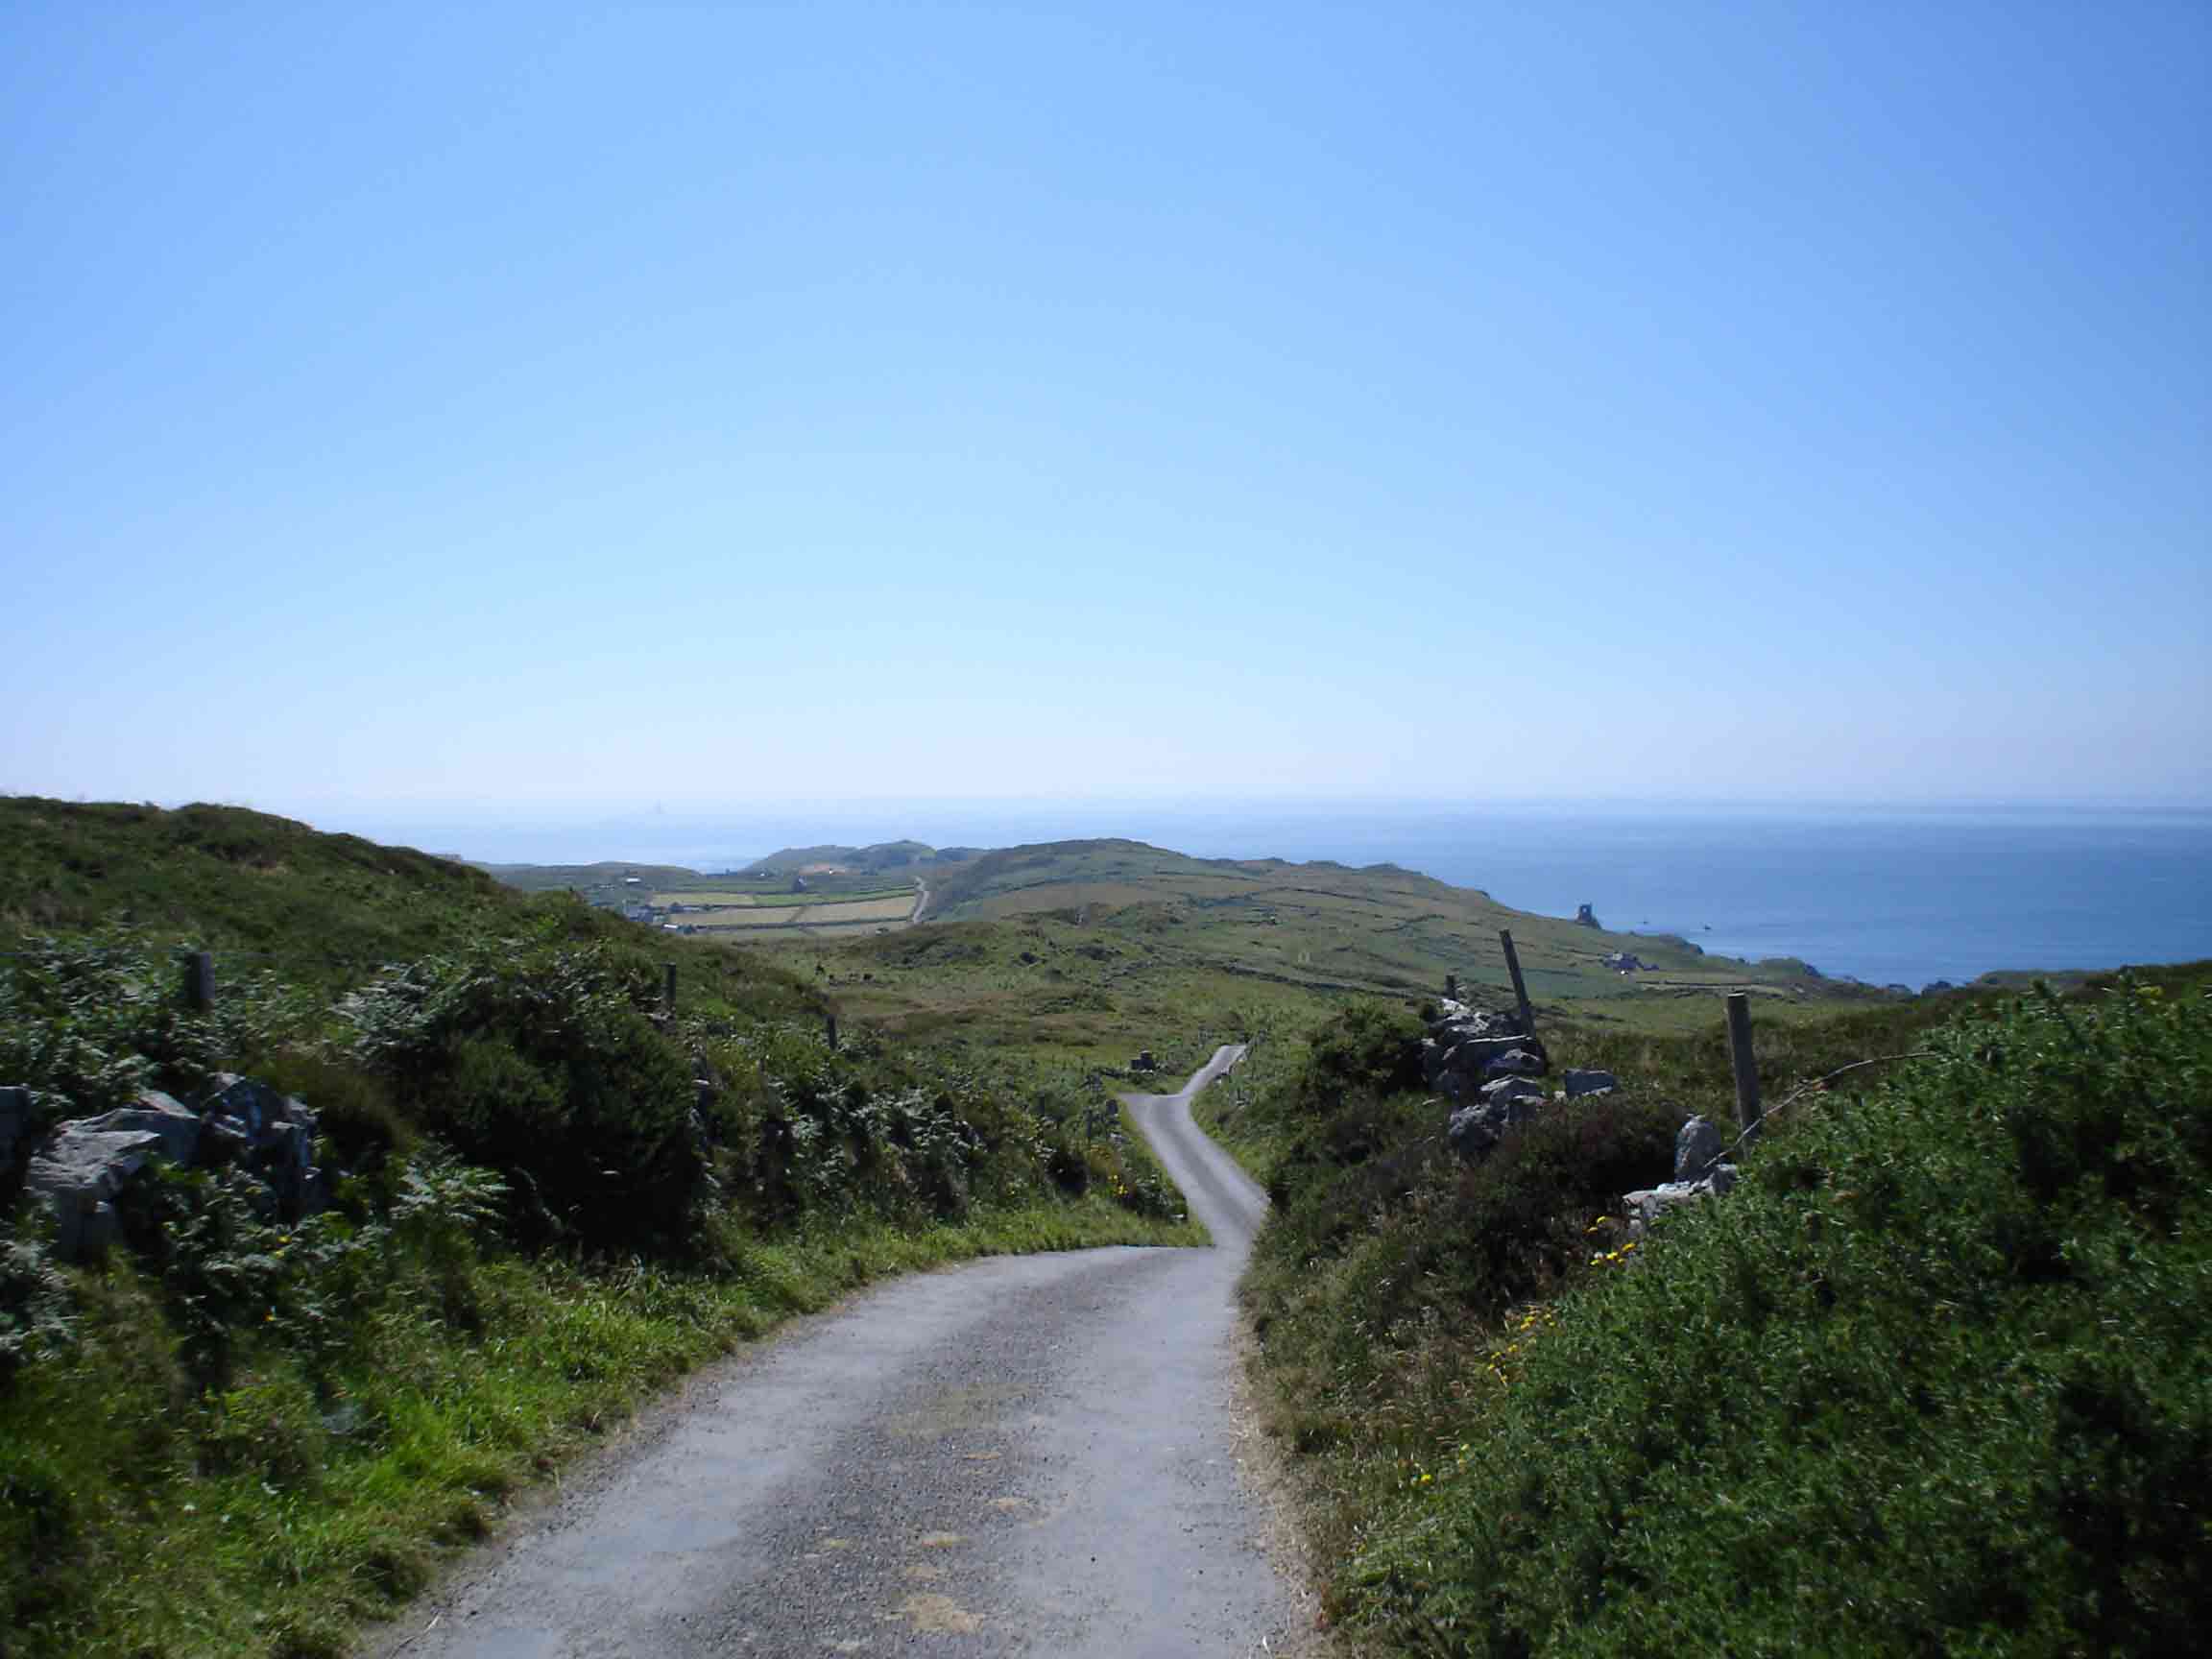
<point>1699,1174</point>
<point>1475,1053</point>
<point>76,1175</point>
<point>153,1112</point>
<point>1697,1149</point>
<point>1511,1088</point>
<point>270,1134</point>
<point>1468,1046</point>
<point>1586,1082</point>
<point>1441,1050</point>
<point>1475,1130</point>
<point>79,1170</point>
<point>1523,1060</point>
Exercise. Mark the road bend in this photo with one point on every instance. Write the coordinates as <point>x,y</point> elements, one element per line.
<point>1030,1455</point>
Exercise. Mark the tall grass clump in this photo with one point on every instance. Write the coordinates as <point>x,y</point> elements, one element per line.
<point>1933,1380</point>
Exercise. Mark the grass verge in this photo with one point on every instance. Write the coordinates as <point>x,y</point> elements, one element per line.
<point>271,1516</point>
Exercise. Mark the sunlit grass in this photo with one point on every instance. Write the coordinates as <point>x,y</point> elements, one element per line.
<point>273,1515</point>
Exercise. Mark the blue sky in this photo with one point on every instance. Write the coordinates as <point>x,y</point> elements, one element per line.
<point>564,410</point>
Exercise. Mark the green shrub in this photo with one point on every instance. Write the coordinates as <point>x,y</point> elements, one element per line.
<point>1932,1380</point>
<point>539,1062</point>
<point>361,1128</point>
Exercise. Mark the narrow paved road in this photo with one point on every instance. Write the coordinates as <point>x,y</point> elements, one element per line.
<point>1026,1455</point>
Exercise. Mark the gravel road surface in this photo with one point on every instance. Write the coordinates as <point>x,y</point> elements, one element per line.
<point>1031,1456</point>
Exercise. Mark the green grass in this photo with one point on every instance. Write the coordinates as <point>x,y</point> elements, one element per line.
<point>150,1516</point>
<point>1929,1381</point>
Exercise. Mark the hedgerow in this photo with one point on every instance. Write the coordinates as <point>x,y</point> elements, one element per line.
<point>1933,1380</point>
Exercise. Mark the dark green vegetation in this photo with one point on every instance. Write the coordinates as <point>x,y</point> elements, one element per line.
<point>240,1431</point>
<point>1932,1380</point>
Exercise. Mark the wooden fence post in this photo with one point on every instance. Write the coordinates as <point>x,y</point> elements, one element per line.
<point>1520,986</point>
<point>1451,987</point>
<point>200,981</point>
<point>829,1029</point>
<point>1742,1062</point>
<point>669,988</point>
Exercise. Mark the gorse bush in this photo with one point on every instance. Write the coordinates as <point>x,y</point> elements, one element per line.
<point>540,1061</point>
<point>1931,1381</point>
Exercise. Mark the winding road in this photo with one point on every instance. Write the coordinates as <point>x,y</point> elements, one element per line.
<point>1030,1455</point>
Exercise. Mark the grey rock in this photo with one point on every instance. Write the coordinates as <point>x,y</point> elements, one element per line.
<point>1458,1022</point>
<point>75,1176</point>
<point>250,1123</point>
<point>248,1104</point>
<point>1473,1130</point>
<point>1514,1063</point>
<point>1475,1053</point>
<point>1431,1060</point>
<point>1652,1202</point>
<point>157,1114</point>
<point>1697,1150</point>
<point>1647,1206</point>
<point>1582,1082</point>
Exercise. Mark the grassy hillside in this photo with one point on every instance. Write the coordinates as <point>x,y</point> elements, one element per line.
<point>1075,956</point>
<point>896,856</point>
<point>327,906</point>
<point>1932,1380</point>
<point>605,876</point>
<point>1379,929</point>
<point>242,1430</point>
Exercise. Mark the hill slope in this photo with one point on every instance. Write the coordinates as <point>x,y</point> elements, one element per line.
<point>227,879</point>
<point>1380,928</point>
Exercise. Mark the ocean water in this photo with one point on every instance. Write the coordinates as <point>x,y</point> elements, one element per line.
<point>1884,896</point>
<point>1888,898</point>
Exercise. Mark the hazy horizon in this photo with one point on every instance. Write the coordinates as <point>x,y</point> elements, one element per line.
<point>751,830</point>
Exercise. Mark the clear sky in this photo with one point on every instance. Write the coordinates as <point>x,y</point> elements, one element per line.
<point>581,409</point>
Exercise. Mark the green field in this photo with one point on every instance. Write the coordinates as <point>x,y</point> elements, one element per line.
<point>739,898</point>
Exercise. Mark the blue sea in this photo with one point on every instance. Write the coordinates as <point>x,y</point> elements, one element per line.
<point>1882,895</point>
